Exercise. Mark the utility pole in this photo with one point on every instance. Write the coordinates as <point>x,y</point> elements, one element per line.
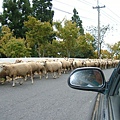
<point>98,9</point>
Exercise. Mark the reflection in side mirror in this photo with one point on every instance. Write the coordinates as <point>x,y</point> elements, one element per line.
<point>86,78</point>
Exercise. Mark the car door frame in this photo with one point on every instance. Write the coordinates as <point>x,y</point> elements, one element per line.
<point>106,104</point>
<point>114,99</point>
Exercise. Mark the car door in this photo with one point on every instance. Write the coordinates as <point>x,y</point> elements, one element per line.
<point>114,100</point>
<point>107,105</point>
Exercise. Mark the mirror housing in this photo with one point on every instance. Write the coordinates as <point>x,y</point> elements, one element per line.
<point>87,78</point>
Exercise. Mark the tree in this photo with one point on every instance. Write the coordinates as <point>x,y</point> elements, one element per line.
<point>15,12</point>
<point>55,49</point>
<point>37,34</point>
<point>16,48</point>
<point>90,40</point>
<point>6,35</point>
<point>68,33</point>
<point>42,10</point>
<point>105,54</point>
<point>83,47</point>
<point>94,31</point>
<point>12,47</point>
<point>114,50</point>
<point>76,19</point>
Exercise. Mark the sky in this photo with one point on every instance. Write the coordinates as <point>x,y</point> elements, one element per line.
<point>108,15</point>
<point>89,16</point>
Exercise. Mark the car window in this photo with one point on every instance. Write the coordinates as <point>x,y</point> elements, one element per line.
<point>113,83</point>
<point>114,103</point>
<point>117,91</point>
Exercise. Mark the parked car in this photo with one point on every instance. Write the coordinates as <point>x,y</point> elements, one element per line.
<point>107,103</point>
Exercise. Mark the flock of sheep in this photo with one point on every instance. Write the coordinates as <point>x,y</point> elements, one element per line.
<point>23,69</point>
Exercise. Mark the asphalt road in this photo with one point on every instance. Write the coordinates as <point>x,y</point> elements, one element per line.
<point>46,99</point>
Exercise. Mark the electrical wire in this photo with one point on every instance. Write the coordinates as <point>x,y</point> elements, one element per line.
<point>113,19</point>
<point>72,6</point>
<point>110,17</point>
<point>72,13</point>
<point>86,2</point>
<point>62,10</point>
<point>89,4</point>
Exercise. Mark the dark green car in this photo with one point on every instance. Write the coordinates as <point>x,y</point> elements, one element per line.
<point>107,103</point>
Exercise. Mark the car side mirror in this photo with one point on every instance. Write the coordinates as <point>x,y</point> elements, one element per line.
<point>87,78</point>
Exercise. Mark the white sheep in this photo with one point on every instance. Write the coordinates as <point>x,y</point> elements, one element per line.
<point>17,70</point>
<point>53,67</point>
<point>41,69</point>
<point>66,65</point>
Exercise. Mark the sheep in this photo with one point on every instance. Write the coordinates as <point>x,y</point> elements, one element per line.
<point>53,67</point>
<point>78,63</point>
<point>41,69</point>
<point>88,63</point>
<point>66,65</point>
<point>16,70</point>
<point>18,61</point>
<point>3,76</point>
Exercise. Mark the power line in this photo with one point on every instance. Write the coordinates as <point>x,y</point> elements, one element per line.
<point>63,3</point>
<point>71,13</point>
<point>62,10</point>
<point>114,13</point>
<point>110,17</point>
<point>72,5</point>
<point>86,2</point>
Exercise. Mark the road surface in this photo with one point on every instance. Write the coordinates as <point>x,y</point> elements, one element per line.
<point>46,99</point>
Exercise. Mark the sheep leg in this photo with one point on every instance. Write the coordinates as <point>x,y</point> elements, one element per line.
<point>58,74</point>
<point>46,75</point>
<point>64,70</point>
<point>40,74</point>
<point>40,77</point>
<point>25,77</point>
<point>32,78</point>
<point>14,81</point>
<point>21,82</point>
<point>54,75</point>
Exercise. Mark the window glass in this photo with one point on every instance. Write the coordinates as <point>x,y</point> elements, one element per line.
<point>117,91</point>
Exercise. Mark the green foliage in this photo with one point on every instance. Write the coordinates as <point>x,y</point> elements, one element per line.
<point>15,12</point>
<point>115,50</point>
<point>83,47</point>
<point>42,10</point>
<point>6,35</point>
<point>75,45</point>
<point>12,47</point>
<point>105,54</point>
<point>55,49</point>
<point>68,33</point>
<point>76,19</point>
<point>35,26</point>
<point>16,48</point>
<point>38,33</point>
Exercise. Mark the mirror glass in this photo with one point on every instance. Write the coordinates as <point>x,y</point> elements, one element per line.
<point>87,78</point>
